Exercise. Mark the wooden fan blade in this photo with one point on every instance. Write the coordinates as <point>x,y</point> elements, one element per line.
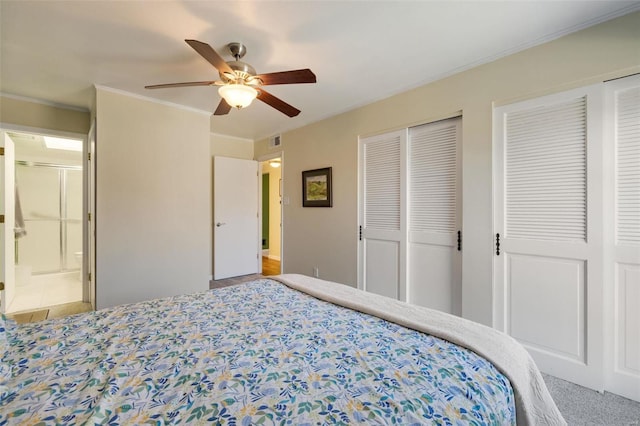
<point>186,84</point>
<point>277,103</point>
<point>210,55</point>
<point>288,77</point>
<point>223,108</point>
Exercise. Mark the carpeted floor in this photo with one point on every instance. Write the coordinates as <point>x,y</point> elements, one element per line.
<point>585,407</point>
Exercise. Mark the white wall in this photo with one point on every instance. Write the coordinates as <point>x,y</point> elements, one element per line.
<point>153,213</point>
<point>599,53</point>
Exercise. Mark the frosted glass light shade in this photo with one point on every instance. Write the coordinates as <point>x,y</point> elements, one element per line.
<point>238,95</point>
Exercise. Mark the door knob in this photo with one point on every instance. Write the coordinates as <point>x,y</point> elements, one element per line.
<point>219,224</point>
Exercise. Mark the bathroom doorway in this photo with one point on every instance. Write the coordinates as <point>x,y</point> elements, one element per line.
<point>49,201</point>
<point>271,212</point>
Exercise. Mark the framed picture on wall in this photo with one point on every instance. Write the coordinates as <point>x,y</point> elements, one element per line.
<point>316,188</point>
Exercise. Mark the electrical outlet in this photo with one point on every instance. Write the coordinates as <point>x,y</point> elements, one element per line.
<point>316,272</point>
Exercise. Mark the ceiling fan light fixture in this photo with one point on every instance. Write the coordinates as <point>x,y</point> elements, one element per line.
<point>238,95</point>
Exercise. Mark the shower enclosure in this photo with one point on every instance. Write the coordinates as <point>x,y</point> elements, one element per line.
<point>51,200</point>
<point>49,257</point>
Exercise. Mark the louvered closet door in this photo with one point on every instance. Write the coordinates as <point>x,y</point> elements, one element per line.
<point>548,213</point>
<point>434,219</point>
<point>623,265</point>
<point>382,213</point>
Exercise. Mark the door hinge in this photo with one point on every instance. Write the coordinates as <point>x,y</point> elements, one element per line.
<point>89,216</point>
<point>459,240</point>
<point>1,286</point>
<point>1,150</point>
<point>360,233</point>
<point>89,276</point>
<point>1,218</point>
<point>497,244</point>
<point>89,156</point>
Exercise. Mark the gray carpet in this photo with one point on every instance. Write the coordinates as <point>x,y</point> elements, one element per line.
<point>581,406</point>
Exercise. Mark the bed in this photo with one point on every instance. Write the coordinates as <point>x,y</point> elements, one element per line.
<point>288,350</point>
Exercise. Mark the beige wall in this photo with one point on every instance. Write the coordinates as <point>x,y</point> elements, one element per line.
<point>37,115</point>
<point>327,238</point>
<point>153,213</point>
<point>229,146</point>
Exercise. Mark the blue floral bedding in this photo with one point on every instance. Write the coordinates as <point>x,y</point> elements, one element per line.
<point>257,353</point>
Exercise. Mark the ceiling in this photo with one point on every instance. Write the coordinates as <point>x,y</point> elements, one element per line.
<point>360,51</point>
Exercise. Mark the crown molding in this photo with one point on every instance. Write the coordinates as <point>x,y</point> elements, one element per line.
<point>150,99</point>
<point>42,102</point>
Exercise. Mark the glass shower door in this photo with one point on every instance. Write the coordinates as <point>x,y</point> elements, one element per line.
<point>40,192</point>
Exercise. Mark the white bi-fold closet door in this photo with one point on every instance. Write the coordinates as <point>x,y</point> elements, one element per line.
<point>622,237</point>
<point>566,217</point>
<point>409,215</point>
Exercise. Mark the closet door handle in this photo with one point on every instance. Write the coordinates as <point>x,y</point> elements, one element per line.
<point>219,224</point>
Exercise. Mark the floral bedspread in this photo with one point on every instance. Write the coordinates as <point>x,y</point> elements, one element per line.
<point>257,353</point>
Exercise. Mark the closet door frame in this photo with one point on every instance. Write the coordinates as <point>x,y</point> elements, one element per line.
<point>404,264</point>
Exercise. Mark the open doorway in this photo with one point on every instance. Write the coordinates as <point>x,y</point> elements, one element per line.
<point>47,202</point>
<point>271,212</point>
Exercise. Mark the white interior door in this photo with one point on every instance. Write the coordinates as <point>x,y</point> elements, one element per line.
<point>383,229</point>
<point>622,247</point>
<point>236,249</point>
<point>548,215</point>
<point>7,221</point>
<point>435,261</point>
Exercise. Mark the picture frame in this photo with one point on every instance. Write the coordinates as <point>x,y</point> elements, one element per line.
<point>317,188</point>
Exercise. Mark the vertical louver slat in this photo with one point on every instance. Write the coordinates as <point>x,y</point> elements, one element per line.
<point>433,177</point>
<point>546,165</point>
<point>627,122</point>
<point>382,183</point>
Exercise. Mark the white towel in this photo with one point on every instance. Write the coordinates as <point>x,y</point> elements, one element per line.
<point>19,229</point>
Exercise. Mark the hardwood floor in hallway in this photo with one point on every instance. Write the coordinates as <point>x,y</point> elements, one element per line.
<point>270,266</point>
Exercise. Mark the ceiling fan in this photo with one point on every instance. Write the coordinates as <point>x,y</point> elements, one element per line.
<point>239,83</point>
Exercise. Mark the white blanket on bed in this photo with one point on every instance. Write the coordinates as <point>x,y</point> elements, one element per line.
<point>534,405</point>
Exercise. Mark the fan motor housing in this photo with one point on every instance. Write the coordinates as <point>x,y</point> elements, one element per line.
<point>242,70</point>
